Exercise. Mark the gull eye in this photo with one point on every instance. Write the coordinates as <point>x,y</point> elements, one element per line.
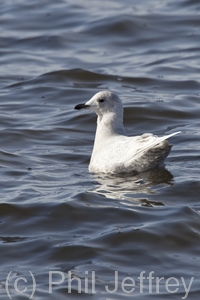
<point>101,100</point>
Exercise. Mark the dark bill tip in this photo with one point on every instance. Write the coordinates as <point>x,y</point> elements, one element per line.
<point>80,106</point>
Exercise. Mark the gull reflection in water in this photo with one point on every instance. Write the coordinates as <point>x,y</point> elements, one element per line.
<point>133,187</point>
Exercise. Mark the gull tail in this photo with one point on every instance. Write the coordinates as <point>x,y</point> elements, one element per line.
<point>152,155</point>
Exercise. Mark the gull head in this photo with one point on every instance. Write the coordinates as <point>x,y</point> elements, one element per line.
<point>104,102</point>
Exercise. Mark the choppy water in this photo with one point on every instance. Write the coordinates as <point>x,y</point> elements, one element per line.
<point>54,215</point>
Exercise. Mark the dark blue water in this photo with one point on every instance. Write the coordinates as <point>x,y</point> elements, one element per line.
<point>80,235</point>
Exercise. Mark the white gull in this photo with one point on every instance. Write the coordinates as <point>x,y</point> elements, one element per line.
<point>114,152</point>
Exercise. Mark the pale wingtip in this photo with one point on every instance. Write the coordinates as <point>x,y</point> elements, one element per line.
<point>176,132</point>
<point>166,137</point>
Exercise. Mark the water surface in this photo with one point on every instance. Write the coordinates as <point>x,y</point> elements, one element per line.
<point>54,215</point>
